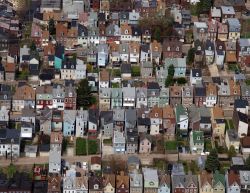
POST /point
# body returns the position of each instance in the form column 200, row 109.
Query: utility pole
column 11, row 143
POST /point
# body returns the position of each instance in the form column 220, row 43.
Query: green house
column 197, row 141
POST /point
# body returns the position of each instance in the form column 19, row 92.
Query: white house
column 81, row 122
column 211, row 95
column 219, row 57
column 80, row 71
column 141, row 97
column 102, row 55
column 104, row 79
column 156, row 121
column 134, row 52
column 128, row 96
column 4, row 114
column 27, row 130
column 58, row 97
column 10, row 142
column 124, row 52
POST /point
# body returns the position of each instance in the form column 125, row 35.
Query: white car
column 85, row 165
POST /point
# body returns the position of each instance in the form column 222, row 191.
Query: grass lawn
column 107, row 141
column 224, row 167
column 116, row 72
column 160, row 164
column 115, row 85
column 171, row 145
column 233, row 67
column 247, row 82
column 226, row 125
column 208, row 145
column 186, row 167
column 135, row 71
column 81, row 146
column 245, row 29
column 231, row 124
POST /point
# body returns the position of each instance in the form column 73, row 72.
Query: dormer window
column 199, row 48
column 156, row 114
column 96, row 186
column 126, row 31
column 177, row 49
column 220, row 47
column 198, row 138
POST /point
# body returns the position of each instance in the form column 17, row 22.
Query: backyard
column 208, row 145
column 171, row 145
column 82, row 144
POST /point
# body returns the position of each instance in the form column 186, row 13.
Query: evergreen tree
column 190, row 56
column 85, row 97
column 248, row 161
column 170, row 78
column 231, row 152
column 52, row 28
column 157, row 34
column 212, row 162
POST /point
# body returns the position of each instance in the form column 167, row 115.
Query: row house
column 55, row 152
column 44, row 97
column 73, row 69
column 211, row 182
column 228, row 92
column 24, row 96
column 187, row 183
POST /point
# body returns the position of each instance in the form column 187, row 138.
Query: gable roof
column 219, row 178
column 122, row 179
column 109, row 179
column 233, row 177
column 206, row 177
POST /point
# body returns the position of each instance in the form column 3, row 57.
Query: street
column 146, row 159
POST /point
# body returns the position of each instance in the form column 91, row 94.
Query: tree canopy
column 181, row 81
column 160, row 26
column 190, row 56
column 212, row 163
column 248, row 161
column 52, row 28
column 11, row 170
column 204, row 6
column 231, row 152
column 85, row 97
column 170, row 78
